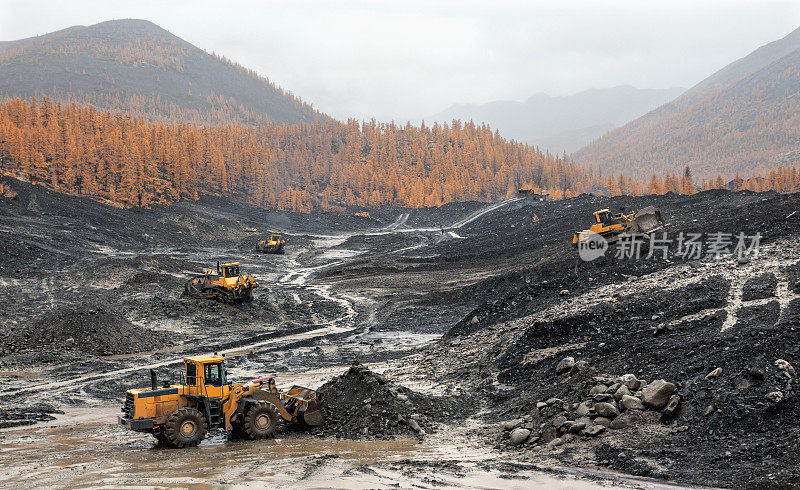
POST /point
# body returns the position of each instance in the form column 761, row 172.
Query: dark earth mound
column 362, row 403
column 15, row 417
column 92, row 328
column 760, row 287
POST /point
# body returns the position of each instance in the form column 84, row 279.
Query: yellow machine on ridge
column 610, row 226
column 274, row 245
column 180, row 415
column 226, row 283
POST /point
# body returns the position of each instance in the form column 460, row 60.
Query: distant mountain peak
column 137, row 67
column 562, row 123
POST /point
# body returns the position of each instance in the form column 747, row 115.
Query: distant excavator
column 274, row 245
column 610, row 226
column 226, row 284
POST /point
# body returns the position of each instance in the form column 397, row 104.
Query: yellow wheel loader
column 274, row 245
column 610, row 226
column 180, row 415
column 226, row 283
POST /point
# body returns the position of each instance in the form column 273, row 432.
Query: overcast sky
column 405, row 59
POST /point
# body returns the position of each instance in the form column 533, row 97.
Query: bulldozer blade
column 646, row 221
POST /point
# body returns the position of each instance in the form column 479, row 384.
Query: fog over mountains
column 743, row 118
column 564, row 123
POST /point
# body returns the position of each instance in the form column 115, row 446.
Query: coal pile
column 361, row 403
column 92, row 328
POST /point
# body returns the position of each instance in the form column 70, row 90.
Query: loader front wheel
column 186, row 427
column 261, row 420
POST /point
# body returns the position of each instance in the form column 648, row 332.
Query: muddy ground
column 465, row 310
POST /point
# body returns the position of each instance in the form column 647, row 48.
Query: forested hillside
column 745, row 119
column 138, row 68
column 323, row 164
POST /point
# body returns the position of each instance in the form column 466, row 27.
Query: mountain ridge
column 741, row 118
column 137, row 67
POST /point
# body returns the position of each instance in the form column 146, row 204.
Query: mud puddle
column 85, row 448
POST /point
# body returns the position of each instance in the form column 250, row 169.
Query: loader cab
column 275, row 238
column 231, row 269
column 603, row 216
column 207, row 376
column 606, row 218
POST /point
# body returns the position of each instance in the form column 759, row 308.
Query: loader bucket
column 313, row 414
column 646, row 221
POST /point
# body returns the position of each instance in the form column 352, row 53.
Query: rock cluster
column 612, row 402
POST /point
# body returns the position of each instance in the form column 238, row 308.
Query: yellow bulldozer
column 180, row 415
column 274, row 245
column 226, row 283
column 610, row 226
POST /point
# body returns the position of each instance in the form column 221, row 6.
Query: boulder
column 626, row 419
column 559, row 421
column 603, row 397
column 594, row 430
column 549, row 434
column 607, row 410
column 577, row 427
column 774, row 396
column 620, row 422
column 784, row 366
column 656, row 394
column 715, row 373
column 510, row 425
column 631, row 382
column 671, row 410
column 598, row 388
column 578, row 367
column 582, row 410
column 518, row 436
column 621, row 391
column 604, row 421
column 565, row 365
column 631, row 403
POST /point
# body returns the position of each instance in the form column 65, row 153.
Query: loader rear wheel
column 186, row 427
column 261, row 420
